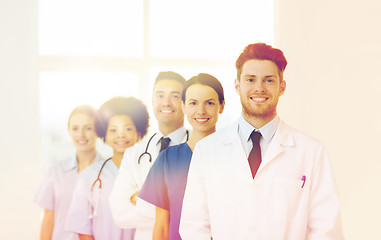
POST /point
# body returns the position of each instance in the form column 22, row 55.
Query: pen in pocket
column 304, row 180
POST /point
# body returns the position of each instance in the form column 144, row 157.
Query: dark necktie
column 164, row 142
column 255, row 157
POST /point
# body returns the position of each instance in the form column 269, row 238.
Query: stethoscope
column 146, row 151
column 95, row 212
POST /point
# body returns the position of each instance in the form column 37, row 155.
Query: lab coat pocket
column 288, row 199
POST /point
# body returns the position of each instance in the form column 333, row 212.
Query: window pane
column 90, row 28
column 61, row 92
column 208, row 29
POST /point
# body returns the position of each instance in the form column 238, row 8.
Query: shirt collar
column 176, row 136
column 72, row 164
column 267, row 131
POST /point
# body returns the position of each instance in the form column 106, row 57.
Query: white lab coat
column 131, row 178
column 223, row 201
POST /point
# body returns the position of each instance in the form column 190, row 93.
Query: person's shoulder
column 88, row 175
column 141, row 145
column 132, row 154
column 173, row 156
column 220, row 134
column 58, row 168
column 174, row 150
column 299, row 136
column 93, row 168
column 177, row 148
column 61, row 164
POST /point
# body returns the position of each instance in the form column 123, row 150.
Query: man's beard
column 260, row 114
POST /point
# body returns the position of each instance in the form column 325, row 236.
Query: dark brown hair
column 130, row 106
column 169, row 75
column 208, row 80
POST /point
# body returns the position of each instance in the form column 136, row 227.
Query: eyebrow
column 208, row 100
column 127, row 124
column 78, row 124
column 250, row 75
column 161, row 91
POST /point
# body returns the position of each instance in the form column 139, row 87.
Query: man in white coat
column 282, row 188
column 129, row 211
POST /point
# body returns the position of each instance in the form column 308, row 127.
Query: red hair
column 261, row 51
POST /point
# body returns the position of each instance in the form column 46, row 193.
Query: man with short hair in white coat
column 260, row 178
column 127, row 210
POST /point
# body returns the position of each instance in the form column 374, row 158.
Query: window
column 90, row 51
column 111, row 28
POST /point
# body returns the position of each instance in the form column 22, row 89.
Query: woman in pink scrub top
column 120, row 122
column 55, row 192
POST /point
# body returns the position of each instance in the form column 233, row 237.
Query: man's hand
column 133, row 197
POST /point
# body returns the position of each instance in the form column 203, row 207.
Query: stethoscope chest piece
column 145, row 158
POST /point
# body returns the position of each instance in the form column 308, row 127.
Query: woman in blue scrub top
column 54, row 194
column 120, row 122
column 164, row 187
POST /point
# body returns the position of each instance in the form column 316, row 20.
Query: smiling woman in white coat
column 260, row 178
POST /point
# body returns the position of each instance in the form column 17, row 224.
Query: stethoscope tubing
column 99, row 175
column 94, row 213
column 146, row 150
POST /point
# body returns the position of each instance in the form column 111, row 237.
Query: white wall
column 334, row 93
column 20, row 167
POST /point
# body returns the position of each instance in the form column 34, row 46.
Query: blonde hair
column 85, row 109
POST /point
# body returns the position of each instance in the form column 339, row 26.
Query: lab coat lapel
column 234, row 150
column 282, row 140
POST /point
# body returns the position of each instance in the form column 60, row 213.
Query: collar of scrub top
column 176, row 136
column 267, row 131
column 73, row 163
